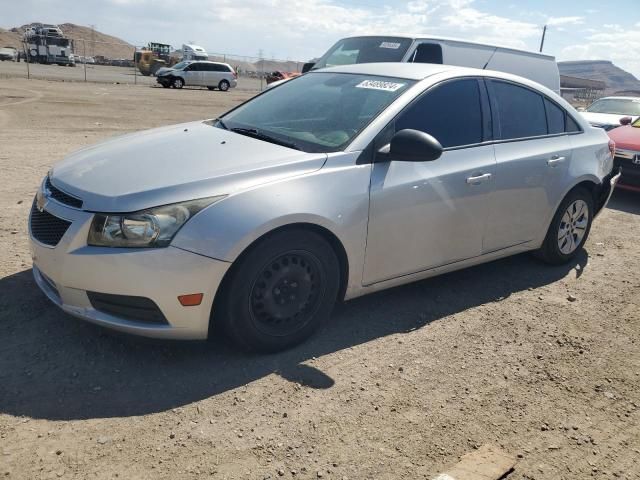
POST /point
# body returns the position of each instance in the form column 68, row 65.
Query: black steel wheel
column 279, row 292
column 286, row 293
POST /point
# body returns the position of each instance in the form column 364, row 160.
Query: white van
column 194, row 52
column 428, row 49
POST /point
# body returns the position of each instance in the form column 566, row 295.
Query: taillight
column 612, row 148
column 235, row 74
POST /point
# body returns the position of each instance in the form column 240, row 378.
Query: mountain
column 96, row 43
column 617, row 79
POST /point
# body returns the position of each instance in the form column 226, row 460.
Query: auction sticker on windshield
column 392, row 45
column 380, row 85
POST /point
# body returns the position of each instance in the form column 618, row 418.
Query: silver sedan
column 333, row 185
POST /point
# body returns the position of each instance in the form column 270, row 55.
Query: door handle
column 555, row 160
column 478, row 179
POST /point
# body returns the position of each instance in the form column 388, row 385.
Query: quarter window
column 522, row 113
column 450, row 112
column 555, row 117
column 427, row 53
column 572, row 125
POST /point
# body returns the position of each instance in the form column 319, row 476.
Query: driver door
column 428, row 214
column 192, row 74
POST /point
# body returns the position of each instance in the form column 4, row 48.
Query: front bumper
column 66, row 272
column 629, row 163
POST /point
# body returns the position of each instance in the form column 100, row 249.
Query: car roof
column 410, row 71
column 420, row 71
column 458, row 40
column 618, row 98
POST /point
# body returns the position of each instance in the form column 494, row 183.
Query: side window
column 217, row 68
column 450, row 112
column 572, row 125
column 555, row 117
column 428, row 53
column 521, row 111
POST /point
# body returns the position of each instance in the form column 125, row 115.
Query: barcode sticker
column 380, row 85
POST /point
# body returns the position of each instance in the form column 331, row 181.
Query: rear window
column 365, row 50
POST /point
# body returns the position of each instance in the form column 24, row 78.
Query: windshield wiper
column 254, row 133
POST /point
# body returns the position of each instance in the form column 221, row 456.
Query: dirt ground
column 400, row 384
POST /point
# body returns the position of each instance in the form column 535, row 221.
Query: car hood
column 163, row 70
column 626, row 137
column 173, row 164
column 604, row 118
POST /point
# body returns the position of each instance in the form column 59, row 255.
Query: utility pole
column 544, row 33
column 93, row 40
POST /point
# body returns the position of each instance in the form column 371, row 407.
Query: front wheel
column 224, row 85
column 280, row 292
column 177, row 83
column 569, row 228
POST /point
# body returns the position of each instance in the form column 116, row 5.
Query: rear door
column 533, row 152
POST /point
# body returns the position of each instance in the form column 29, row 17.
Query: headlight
column 155, row 227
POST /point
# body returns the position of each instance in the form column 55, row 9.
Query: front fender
column 335, row 198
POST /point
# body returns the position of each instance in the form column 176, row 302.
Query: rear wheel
column 224, row 85
column 569, row 228
column 280, row 292
column 177, row 83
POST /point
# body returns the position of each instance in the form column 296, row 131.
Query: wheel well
column 329, row 236
column 598, row 192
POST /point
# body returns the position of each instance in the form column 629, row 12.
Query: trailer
column 47, row 44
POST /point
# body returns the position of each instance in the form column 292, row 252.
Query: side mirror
column 307, row 66
column 412, row 146
column 625, row 121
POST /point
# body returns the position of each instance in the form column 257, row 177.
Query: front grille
column 139, row 309
column 47, row 228
column 61, row 196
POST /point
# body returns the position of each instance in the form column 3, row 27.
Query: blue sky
column 301, row 29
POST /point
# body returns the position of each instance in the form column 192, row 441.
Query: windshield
column 317, row 112
column 180, row 65
column 364, row 50
column 618, row 106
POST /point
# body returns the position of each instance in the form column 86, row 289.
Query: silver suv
column 201, row 74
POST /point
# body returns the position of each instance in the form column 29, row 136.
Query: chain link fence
column 119, row 63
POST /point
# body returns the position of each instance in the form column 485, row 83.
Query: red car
column 627, row 138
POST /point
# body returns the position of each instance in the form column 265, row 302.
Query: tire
column 177, row 82
column 279, row 292
column 224, row 85
column 210, row 88
column 569, row 228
